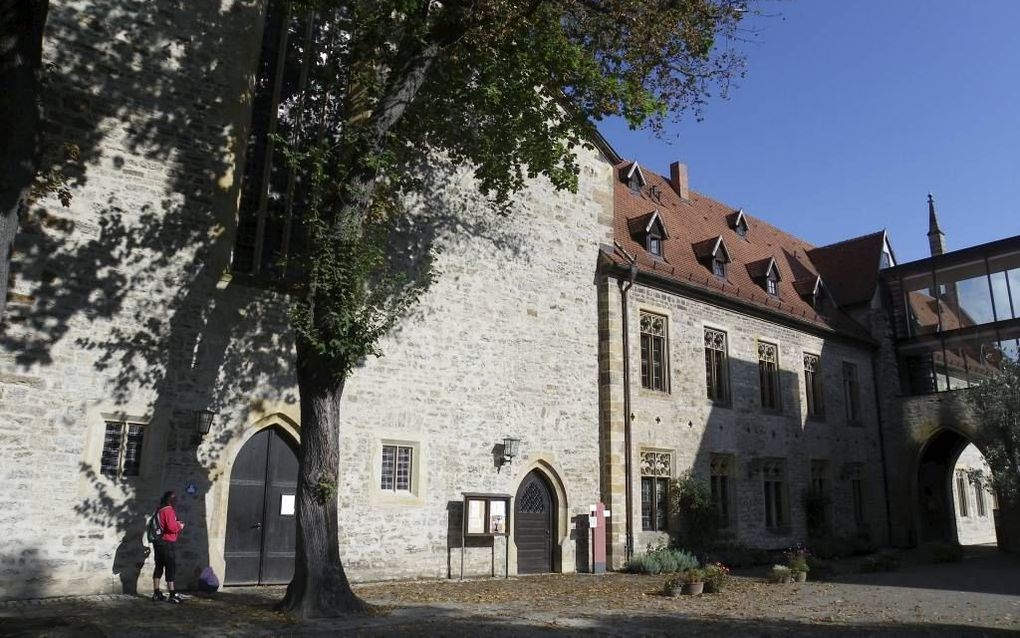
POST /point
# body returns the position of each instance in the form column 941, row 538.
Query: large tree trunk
column 320, row 587
column 21, row 31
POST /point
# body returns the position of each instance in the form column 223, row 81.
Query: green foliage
column 942, row 552
column 692, row 575
column 325, row 490
column 507, row 90
column 780, row 574
column 716, row 577
column 691, row 503
column 996, row 404
column 662, row 560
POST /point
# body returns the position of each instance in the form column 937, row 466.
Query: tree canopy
column 996, row 403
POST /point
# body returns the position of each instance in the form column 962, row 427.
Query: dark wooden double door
column 261, row 529
column 534, row 525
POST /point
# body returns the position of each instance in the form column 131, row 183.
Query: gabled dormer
column 812, row 289
column 650, row 231
column 633, row 177
column 738, row 223
column 714, row 255
column 766, row 273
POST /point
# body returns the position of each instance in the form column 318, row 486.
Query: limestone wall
column 685, row 423
column 121, row 310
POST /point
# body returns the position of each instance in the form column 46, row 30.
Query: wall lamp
column 203, row 421
column 511, row 448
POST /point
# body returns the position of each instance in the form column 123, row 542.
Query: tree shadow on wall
column 123, row 291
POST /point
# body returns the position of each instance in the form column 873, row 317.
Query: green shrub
column 780, row 573
column 943, row 552
column 662, row 560
column 716, row 577
column 691, row 502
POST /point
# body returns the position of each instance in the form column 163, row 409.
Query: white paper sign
column 286, row 505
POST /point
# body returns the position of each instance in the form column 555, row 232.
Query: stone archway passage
column 534, row 524
column 261, row 532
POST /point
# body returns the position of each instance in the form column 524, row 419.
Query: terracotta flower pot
column 801, row 577
column 694, row 589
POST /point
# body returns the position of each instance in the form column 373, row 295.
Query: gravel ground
column 978, row 597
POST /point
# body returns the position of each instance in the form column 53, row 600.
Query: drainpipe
column 624, row 289
column 881, row 447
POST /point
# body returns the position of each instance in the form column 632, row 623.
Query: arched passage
column 952, row 507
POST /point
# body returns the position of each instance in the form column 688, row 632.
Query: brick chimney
column 678, row 179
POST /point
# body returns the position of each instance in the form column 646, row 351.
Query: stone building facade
column 623, row 334
column 684, row 272
column 125, row 323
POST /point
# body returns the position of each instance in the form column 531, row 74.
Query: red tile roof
column 850, row 268
column 693, row 223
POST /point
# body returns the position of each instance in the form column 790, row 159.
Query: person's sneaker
column 158, row 596
column 175, row 599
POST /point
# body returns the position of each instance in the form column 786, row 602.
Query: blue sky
column 851, row 112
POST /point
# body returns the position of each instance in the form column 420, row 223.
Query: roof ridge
column 847, row 241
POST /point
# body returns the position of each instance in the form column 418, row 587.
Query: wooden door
column 534, row 522
column 261, row 533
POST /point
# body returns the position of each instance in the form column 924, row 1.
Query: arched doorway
column 534, row 524
column 261, row 534
column 952, row 507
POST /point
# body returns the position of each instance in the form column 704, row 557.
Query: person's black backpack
column 153, row 530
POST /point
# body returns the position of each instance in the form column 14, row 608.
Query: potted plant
column 674, row 585
column 781, row 574
column 693, row 580
column 797, row 562
column 716, row 575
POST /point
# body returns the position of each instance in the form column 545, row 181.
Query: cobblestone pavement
column 979, row 597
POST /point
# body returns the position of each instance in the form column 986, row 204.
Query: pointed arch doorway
column 261, row 534
column 535, row 510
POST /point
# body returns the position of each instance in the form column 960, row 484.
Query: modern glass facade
column 956, row 315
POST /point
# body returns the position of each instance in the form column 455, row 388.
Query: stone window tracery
column 813, row 387
column 653, row 352
column 716, row 365
column 768, row 375
column 656, row 472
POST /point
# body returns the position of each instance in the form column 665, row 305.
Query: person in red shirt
column 164, row 548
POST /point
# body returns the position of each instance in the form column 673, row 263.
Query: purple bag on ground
column 207, row 581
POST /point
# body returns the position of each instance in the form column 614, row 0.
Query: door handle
column 257, row 526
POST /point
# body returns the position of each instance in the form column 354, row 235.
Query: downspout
column 624, row 289
column 881, row 448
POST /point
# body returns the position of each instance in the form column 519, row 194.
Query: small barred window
column 122, row 449
column 395, row 475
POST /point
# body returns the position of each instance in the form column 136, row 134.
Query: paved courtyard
column 979, row 597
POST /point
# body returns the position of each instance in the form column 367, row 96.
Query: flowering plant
column 715, row 577
column 797, row 559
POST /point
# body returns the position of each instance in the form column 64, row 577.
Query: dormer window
column 713, row 254
column 649, row 231
column 719, row 268
column 654, row 244
column 766, row 273
column 818, row 302
column 633, row 177
column 738, row 223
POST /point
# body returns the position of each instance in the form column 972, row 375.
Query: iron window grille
column 122, row 449
column 396, row 468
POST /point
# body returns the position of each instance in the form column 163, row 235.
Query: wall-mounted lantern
column 203, row 421
column 511, row 448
